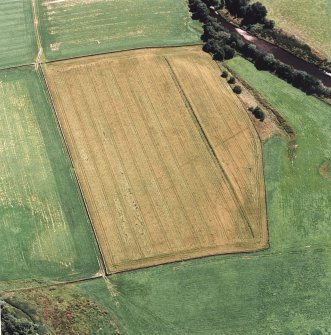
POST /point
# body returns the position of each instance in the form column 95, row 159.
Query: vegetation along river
column 280, row 54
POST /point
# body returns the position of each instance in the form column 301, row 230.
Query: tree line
column 223, row 45
column 11, row 324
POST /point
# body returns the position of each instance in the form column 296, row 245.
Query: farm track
column 148, row 250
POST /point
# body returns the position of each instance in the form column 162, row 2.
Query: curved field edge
column 303, row 197
column 45, row 231
column 72, row 29
column 107, row 91
column 283, row 290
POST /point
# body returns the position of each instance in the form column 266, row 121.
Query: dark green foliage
column 258, row 113
column 255, row 13
column 232, row 80
column 237, row 89
column 212, row 30
column 217, row 4
column 219, row 55
column 200, row 10
column 290, row 43
column 213, row 46
column 250, row 13
column 229, row 52
column 236, row 7
column 223, row 45
column 219, row 42
column 224, row 74
column 266, row 62
column 250, row 51
column 285, row 72
column 11, row 324
column 237, row 42
column 269, row 24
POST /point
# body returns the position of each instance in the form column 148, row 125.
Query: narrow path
column 36, row 30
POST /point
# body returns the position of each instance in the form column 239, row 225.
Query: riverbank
column 279, row 52
column 284, row 40
column 308, row 21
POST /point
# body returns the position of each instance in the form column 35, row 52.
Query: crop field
column 299, row 190
column 75, row 28
column 45, row 232
column 167, row 174
column 309, row 21
column 17, row 41
column 282, row 290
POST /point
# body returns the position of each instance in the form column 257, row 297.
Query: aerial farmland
column 79, row 28
column 150, row 160
column 153, row 180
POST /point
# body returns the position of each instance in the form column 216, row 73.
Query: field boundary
column 256, row 241
column 36, row 31
column 244, row 254
column 283, row 124
column 101, row 261
column 265, row 104
column 207, row 142
column 120, row 51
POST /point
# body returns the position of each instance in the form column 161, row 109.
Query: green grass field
column 310, row 21
column 45, row 231
column 283, row 290
column 298, row 196
column 72, row 28
column 17, row 41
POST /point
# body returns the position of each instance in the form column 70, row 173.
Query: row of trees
column 224, row 45
column 258, row 113
column 291, row 44
column 249, row 13
column 12, row 325
column 297, row 78
column 236, row 89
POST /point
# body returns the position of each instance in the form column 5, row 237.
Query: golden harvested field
column 168, row 160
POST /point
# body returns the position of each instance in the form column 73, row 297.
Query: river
column 279, row 53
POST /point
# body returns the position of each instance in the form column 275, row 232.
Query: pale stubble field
column 168, row 160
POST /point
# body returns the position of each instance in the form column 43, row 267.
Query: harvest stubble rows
column 159, row 187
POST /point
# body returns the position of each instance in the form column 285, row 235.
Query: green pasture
column 284, row 290
column 17, row 37
column 299, row 197
column 308, row 20
column 45, row 231
column 71, row 29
